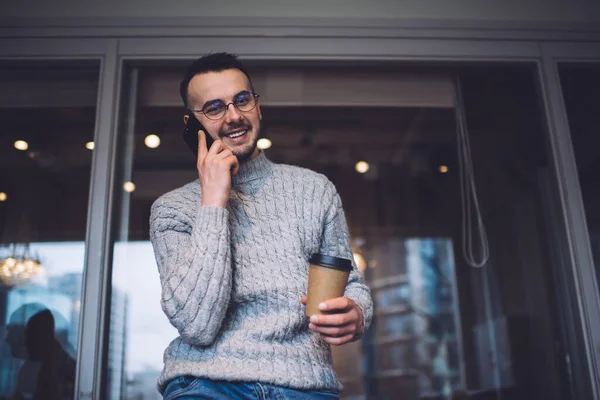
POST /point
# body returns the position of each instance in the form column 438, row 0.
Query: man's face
column 15, row 337
column 225, row 86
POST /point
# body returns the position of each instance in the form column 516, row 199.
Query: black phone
column 190, row 134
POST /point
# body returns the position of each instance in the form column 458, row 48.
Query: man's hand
column 215, row 168
column 341, row 321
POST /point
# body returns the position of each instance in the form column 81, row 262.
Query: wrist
column 214, row 202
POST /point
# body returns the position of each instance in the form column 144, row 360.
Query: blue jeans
column 190, row 388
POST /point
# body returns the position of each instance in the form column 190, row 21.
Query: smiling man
column 232, row 250
column 237, row 129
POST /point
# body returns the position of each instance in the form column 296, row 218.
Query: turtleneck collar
column 252, row 169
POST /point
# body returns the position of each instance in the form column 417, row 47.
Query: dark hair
column 213, row 62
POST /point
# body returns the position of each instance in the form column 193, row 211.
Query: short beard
column 244, row 154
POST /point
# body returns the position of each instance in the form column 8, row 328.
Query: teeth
column 237, row 134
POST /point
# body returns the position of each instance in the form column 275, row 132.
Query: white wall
column 477, row 10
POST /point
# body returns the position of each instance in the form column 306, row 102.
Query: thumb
column 303, row 300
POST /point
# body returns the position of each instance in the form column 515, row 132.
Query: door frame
column 95, row 289
column 584, row 280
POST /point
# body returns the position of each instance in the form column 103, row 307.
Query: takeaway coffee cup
column 327, row 279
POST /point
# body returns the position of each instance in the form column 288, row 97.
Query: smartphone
column 190, row 134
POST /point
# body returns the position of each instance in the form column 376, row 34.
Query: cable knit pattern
column 232, row 278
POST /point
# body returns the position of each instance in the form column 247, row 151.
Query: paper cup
column 327, row 279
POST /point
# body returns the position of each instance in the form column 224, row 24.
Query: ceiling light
column 21, row 145
column 152, row 141
column 129, row 187
column 263, row 143
column 89, row 145
column 3, row 196
column 362, row 167
column 443, row 169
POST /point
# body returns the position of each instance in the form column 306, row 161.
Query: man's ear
column 186, row 118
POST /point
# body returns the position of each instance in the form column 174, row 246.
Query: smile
column 237, row 134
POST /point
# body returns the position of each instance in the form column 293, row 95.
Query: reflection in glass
column 44, row 178
column 442, row 329
column 145, row 332
column 415, row 343
column 582, row 101
column 38, row 336
column 41, row 325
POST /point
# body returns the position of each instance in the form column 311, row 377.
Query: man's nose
column 232, row 114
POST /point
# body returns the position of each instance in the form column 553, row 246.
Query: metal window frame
column 582, row 278
column 117, row 41
column 95, row 283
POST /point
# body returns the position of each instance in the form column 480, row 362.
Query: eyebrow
column 219, row 100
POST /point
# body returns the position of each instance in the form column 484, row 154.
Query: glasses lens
column 245, row 101
column 214, row 110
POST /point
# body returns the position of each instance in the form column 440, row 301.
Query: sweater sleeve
column 336, row 242
column 194, row 263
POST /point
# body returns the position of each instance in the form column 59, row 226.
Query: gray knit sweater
column 232, row 278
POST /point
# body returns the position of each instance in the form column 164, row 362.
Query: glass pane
column 47, row 114
column 579, row 83
column 440, row 327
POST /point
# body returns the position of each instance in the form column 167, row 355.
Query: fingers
column 217, row 147
column 337, row 331
column 339, row 304
column 224, row 153
column 303, row 300
column 337, row 341
column 234, row 164
column 220, row 151
column 215, row 168
column 341, row 322
column 202, row 149
column 334, row 335
column 335, row 320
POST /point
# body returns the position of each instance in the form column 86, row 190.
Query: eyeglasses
column 244, row 102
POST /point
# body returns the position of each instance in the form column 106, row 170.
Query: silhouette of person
column 48, row 371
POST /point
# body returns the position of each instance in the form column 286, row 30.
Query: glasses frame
column 254, row 95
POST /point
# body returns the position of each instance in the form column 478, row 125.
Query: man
column 232, row 250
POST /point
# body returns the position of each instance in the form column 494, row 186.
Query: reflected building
column 430, row 263
column 117, row 346
column 413, row 349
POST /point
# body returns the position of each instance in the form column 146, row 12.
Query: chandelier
column 18, row 267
